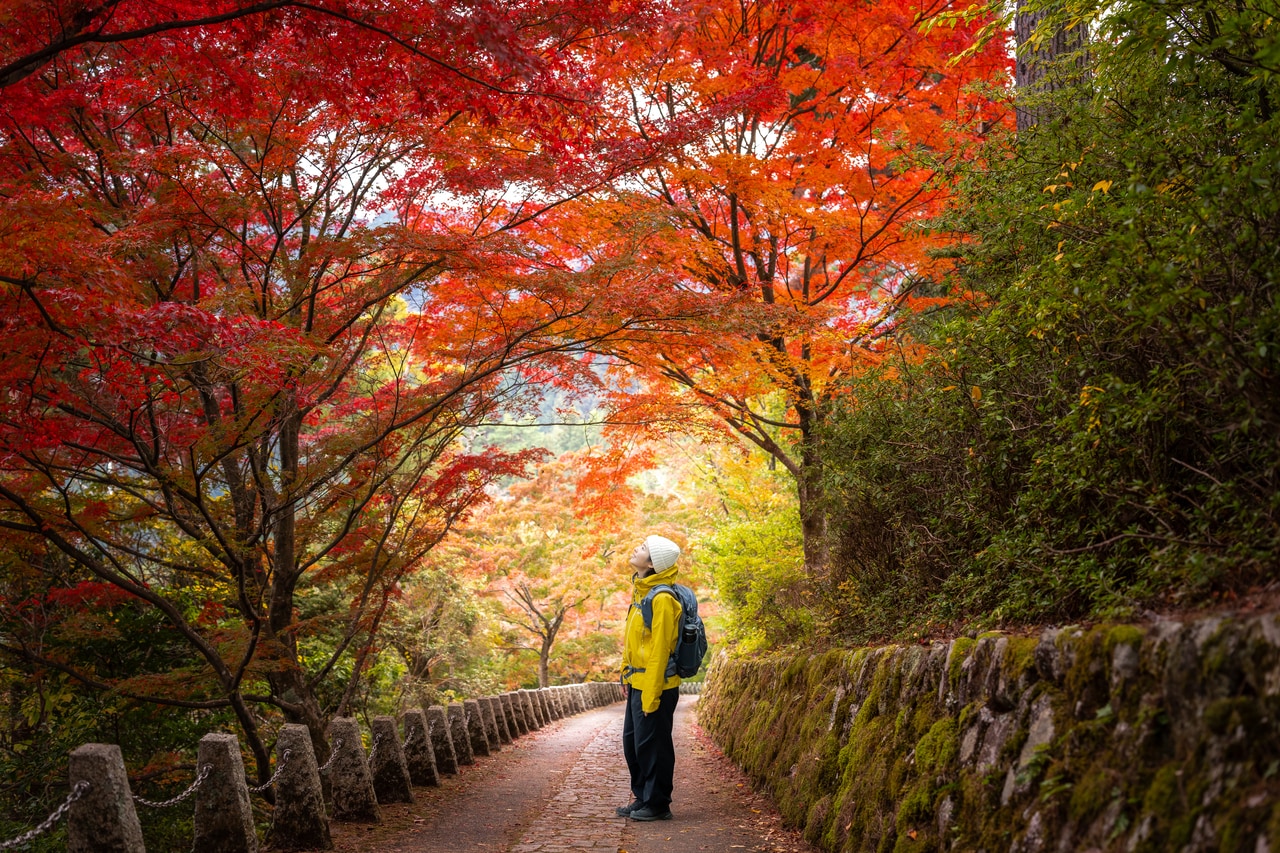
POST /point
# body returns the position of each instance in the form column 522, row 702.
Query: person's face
column 640, row 559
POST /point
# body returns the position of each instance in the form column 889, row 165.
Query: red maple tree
column 258, row 276
column 790, row 236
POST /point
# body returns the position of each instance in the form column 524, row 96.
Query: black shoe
column 625, row 811
column 648, row 813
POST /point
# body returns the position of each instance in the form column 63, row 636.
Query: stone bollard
column 535, row 697
column 546, row 706
column 475, row 728
column 298, row 821
column 539, row 709
column 499, row 718
column 441, row 740
column 419, row 755
column 555, row 699
column 535, row 700
column 580, row 697
column 224, row 819
column 490, row 723
column 515, row 714
column 103, row 819
column 390, row 774
column 526, row 707
column 458, row 731
column 349, row 779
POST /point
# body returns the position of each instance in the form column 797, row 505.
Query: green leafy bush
column 1095, row 424
column 758, row 564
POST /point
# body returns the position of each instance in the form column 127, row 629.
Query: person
column 651, row 693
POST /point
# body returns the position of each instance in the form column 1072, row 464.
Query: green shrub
column 758, row 564
column 1093, row 425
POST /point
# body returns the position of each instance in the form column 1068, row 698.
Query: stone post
column 103, row 820
column 458, row 731
column 515, row 713
column 545, row 704
column 535, row 697
column 580, row 696
column 491, row 733
column 441, row 740
column 495, row 710
column 390, row 774
column 224, row 819
column 475, row 728
column 418, row 753
column 531, row 710
column 525, row 704
column 555, row 701
column 350, row 782
column 298, row 822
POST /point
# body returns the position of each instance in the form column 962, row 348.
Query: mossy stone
column 864, row 748
column 1224, row 715
column 938, row 749
column 1119, row 635
column 1163, row 797
column 960, row 648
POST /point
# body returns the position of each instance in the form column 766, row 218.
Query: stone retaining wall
column 1119, row 738
column 102, row 818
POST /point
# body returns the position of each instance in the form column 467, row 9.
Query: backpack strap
column 646, row 603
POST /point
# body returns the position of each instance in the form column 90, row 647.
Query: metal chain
column 205, row 770
column 376, row 740
column 337, row 745
column 284, row 759
column 81, row 788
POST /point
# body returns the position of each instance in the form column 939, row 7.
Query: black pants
column 651, row 756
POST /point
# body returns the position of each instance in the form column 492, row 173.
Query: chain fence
column 81, row 788
column 333, row 754
column 284, row 759
column 205, row 770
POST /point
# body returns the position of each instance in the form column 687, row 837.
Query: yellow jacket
column 650, row 648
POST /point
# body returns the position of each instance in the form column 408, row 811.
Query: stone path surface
column 554, row 791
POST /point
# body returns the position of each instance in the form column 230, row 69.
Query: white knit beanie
column 662, row 551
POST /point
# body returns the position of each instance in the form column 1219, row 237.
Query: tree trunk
column 813, row 526
column 1055, row 64
column 290, row 684
column 813, row 519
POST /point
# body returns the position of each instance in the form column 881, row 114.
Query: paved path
column 554, row 791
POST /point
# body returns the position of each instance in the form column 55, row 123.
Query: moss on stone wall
column 1117, row 737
